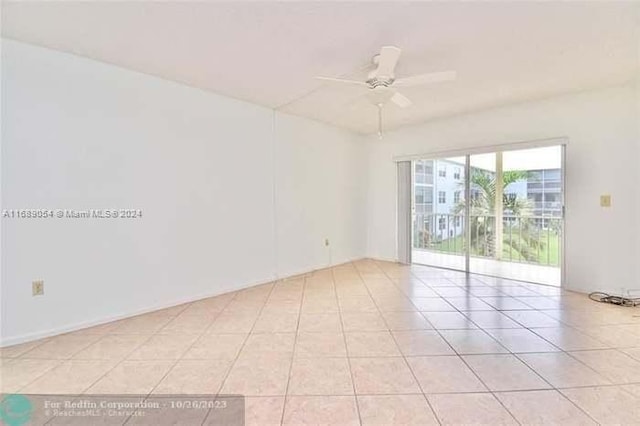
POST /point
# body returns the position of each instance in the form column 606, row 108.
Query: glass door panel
column 516, row 209
column 439, row 213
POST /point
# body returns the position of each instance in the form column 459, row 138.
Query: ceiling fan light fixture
column 382, row 81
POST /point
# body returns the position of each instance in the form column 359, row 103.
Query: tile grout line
column 561, row 350
column 529, row 367
column 395, row 282
column 293, row 353
column 158, row 332
column 533, row 331
column 204, row 332
column 463, row 360
column 70, row 358
column 119, row 362
column 460, row 356
column 558, row 390
column 344, row 339
column 248, row 334
column 424, row 396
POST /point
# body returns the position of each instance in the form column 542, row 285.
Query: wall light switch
column 37, row 288
column 605, row 201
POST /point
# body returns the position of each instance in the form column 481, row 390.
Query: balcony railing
column 526, row 239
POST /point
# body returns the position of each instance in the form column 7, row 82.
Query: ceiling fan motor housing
column 377, row 81
column 380, row 94
column 374, row 79
column 381, row 81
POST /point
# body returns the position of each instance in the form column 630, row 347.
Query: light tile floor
column 367, row 342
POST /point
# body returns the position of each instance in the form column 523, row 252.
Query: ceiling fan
column 381, row 82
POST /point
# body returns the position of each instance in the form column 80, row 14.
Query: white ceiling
column 269, row 52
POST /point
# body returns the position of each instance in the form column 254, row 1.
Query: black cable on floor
column 615, row 300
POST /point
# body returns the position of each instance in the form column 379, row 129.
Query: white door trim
column 461, row 152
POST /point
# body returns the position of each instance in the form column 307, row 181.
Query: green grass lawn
column 549, row 253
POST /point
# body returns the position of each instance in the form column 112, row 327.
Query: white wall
column 601, row 158
column 226, row 201
column 234, row 194
column 320, row 194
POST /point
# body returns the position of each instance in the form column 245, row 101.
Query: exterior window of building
column 457, row 221
column 552, row 174
column 456, row 173
column 442, row 172
column 423, row 172
column 456, row 197
column 423, row 199
column 442, row 224
column 428, row 168
column 442, row 197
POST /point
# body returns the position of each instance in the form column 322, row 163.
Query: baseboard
column 382, row 259
column 104, row 320
column 288, row 274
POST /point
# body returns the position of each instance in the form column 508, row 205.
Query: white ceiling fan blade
column 418, row 80
column 387, row 61
column 343, row 81
column 401, row 100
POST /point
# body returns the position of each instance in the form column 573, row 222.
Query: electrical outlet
column 37, row 288
column 326, row 242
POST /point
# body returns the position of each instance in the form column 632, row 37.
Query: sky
column 523, row 159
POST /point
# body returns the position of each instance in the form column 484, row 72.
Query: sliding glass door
column 498, row 213
column 439, row 225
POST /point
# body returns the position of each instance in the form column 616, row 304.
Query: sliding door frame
column 405, row 211
column 467, row 214
column 562, row 142
column 563, row 186
column 539, row 143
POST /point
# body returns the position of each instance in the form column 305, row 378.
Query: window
column 428, row 195
column 456, row 173
column 442, row 171
column 423, row 172
column 442, row 224
column 457, row 221
column 534, row 176
column 456, row 197
column 442, row 197
column 428, row 168
column 423, row 195
column 552, row 174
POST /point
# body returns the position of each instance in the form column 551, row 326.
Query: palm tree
column 482, row 219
